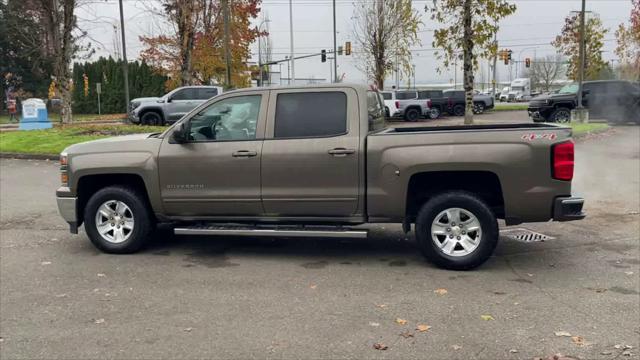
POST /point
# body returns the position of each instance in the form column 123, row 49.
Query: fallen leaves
column 45, row 263
column 486, row 317
column 401, row 321
column 187, row 329
column 628, row 272
column 379, row 346
column 101, row 275
column 423, row 328
column 313, row 287
column 579, row 341
column 456, row 347
column 513, row 351
column 441, row 291
column 374, row 324
column 406, row 334
column 382, row 306
column 562, row 333
column 98, row 321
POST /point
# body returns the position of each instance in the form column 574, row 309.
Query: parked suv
column 456, row 102
column 172, row 106
column 614, row 100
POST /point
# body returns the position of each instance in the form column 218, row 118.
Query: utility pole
column 227, row 50
column 293, row 66
column 335, row 51
column 125, row 64
column 581, row 114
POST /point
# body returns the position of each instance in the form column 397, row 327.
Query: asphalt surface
column 323, row 298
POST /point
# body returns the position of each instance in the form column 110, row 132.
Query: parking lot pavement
column 324, row 298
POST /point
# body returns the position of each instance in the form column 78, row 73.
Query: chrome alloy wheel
column 456, row 232
column 114, row 221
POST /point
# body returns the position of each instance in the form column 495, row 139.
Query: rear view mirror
column 179, row 134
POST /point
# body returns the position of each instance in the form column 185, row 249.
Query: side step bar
column 275, row 232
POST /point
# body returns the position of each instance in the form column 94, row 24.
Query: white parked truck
column 520, row 90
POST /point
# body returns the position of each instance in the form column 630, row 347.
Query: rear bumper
column 568, row 209
column 67, row 206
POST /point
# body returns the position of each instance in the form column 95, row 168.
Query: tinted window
column 206, row 93
column 406, row 95
column 454, row 93
column 375, row 111
column 387, row 96
column 429, row 94
column 183, row 94
column 310, row 114
column 229, row 119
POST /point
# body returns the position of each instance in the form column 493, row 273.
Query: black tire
column 478, row 108
column 144, row 223
column 458, row 110
column 561, row 115
column 387, row 113
column 412, row 115
column 151, row 118
column 434, row 113
column 488, row 238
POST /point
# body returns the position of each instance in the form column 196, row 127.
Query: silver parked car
column 172, row 106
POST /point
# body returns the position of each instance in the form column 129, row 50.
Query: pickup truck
column 170, row 107
column 456, row 102
column 614, row 100
column 406, row 105
column 316, row 161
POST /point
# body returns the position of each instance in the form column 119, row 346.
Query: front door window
column 230, row 119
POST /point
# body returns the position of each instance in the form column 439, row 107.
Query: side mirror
column 179, row 134
column 586, row 92
column 160, row 101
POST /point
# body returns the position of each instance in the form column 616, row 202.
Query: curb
column 22, row 156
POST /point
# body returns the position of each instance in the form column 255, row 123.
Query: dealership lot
column 325, row 298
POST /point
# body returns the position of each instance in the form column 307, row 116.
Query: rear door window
column 387, row 96
column 310, row 114
column 406, row 95
column 206, row 93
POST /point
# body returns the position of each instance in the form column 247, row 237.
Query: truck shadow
column 384, row 246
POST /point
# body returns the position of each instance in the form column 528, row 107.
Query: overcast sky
column 527, row 32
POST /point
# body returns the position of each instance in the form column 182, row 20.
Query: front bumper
column 539, row 113
column 67, row 206
column 568, row 208
column 133, row 117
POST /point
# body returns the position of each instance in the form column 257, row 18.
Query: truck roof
column 357, row 87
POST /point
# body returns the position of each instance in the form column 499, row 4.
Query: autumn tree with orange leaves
column 194, row 54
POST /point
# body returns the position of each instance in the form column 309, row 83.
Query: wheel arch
column 425, row 185
column 155, row 109
column 88, row 185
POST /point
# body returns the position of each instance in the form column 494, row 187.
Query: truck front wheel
column 118, row 220
column 456, row 231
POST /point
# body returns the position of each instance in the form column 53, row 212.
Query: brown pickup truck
column 318, row 162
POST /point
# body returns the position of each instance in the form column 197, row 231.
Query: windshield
column 569, row 89
column 517, row 88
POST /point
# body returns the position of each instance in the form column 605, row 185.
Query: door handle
column 341, row 152
column 244, row 153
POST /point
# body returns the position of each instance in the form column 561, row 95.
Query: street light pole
column 293, row 66
column 227, row 50
column 335, row 52
column 125, row 64
column 582, row 55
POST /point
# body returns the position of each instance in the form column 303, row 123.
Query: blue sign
column 34, row 115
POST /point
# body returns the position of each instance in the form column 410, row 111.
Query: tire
column 434, row 113
column 137, row 210
column 387, row 113
column 412, row 115
column 561, row 115
column 458, row 110
column 151, row 118
column 478, row 108
column 437, row 248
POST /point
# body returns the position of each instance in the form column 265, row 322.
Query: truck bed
column 523, row 126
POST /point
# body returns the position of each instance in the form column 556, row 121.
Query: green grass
column 55, row 118
column 510, row 107
column 580, row 129
column 53, row 141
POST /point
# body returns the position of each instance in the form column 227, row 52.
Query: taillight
column 429, row 103
column 397, row 104
column 563, row 161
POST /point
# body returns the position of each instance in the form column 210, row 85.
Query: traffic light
column 340, row 49
column 509, row 53
column 347, row 48
column 527, row 62
column 323, row 55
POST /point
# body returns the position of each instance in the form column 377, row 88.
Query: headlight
column 64, row 169
column 134, row 105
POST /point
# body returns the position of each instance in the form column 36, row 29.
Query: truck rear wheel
column 458, row 110
column 561, row 115
column 456, row 231
column 118, row 220
column 412, row 115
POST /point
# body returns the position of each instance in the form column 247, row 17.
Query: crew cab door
column 180, row 103
column 216, row 172
column 310, row 156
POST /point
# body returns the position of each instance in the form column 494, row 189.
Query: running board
column 274, row 231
